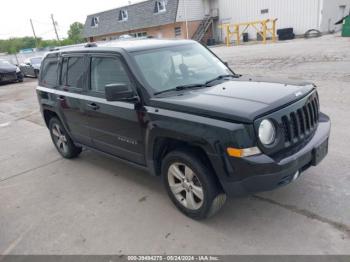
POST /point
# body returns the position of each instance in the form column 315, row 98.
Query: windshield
column 166, row 69
column 36, row 60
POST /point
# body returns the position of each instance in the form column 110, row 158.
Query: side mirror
column 118, row 92
column 226, row 64
column 28, row 64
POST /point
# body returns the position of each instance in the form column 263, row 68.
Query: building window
column 264, row 11
column 139, row 34
column 142, row 34
column 123, row 15
column 160, row 6
column 177, row 31
column 94, row 21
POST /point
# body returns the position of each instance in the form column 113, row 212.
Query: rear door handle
column 93, row 106
column 61, row 98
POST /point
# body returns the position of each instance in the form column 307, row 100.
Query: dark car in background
column 31, row 67
column 9, row 72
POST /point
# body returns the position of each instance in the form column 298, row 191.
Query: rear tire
column 191, row 185
column 62, row 140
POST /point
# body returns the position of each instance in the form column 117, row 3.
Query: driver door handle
column 61, row 98
column 93, row 106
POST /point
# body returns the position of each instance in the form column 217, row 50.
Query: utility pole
column 54, row 26
column 36, row 39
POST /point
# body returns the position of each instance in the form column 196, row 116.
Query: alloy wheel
column 60, row 139
column 185, row 186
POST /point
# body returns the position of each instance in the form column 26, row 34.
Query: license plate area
column 319, row 153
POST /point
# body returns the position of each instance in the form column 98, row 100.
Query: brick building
column 200, row 19
column 155, row 18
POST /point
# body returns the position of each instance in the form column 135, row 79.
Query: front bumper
column 11, row 77
column 263, row 173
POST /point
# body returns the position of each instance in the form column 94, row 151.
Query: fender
column 211, row 135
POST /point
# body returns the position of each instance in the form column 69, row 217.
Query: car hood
column 239, row 100
column 36, row 66
column 7, row 68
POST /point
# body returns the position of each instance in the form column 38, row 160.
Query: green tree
column 75, row 32
column 13, row 45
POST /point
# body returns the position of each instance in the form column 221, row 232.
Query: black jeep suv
column 176, row 110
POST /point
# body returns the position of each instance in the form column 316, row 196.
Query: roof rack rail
column 91, row 44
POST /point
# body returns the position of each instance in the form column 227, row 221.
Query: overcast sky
column 15, row 15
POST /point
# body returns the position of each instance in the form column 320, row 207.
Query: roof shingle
column 140, row 15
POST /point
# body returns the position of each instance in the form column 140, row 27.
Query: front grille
column 301, row 123
column 295, row 124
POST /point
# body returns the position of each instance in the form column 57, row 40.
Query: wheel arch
column 164, row 145
column 48, row 114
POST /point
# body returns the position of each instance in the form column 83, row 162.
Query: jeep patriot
column 174, row 108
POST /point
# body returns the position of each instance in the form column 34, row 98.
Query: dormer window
column 123, row 15
column 160, row 6
column 94, row 21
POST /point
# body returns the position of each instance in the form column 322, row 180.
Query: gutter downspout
column 186, row 21
column 320, row 15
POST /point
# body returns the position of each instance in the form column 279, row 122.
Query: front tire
column 62, row 140
column 191, row 185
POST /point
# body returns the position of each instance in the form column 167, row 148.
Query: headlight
column 18, row 70
column 267, row 132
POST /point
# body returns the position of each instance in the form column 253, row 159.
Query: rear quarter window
column 49, row 72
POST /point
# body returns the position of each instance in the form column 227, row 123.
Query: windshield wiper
column 219, row 78
column 183, row 87
column 179, row 88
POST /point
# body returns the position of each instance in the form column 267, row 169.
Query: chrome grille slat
column 286, row 127
column 311, row 114
column 301, row 121
column 314, row 106
column 306, row 119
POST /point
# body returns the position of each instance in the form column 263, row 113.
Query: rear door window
column 75, row 72
column 49, row 72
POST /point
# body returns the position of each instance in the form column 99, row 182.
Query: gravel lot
column 95, row 205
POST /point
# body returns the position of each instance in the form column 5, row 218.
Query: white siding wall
column 299, row 14
column 333, row 12
column 195, row 10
